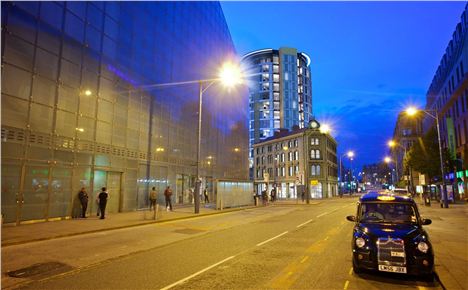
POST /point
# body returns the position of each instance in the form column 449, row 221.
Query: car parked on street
column 388, row 236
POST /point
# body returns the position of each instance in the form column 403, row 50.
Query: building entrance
column 112, row 181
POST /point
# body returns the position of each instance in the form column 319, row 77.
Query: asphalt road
column 276, row 247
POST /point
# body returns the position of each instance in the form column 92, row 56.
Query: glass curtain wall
column 79, row 102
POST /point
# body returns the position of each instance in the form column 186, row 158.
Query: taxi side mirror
column 426, row 222
column 351, row 218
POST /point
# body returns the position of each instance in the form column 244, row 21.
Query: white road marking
column 322, row 214
column 198, row 273
column 303, row 224
column 269, row 240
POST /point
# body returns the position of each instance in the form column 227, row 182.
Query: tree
column 424, row 156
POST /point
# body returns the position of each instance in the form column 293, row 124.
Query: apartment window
column 466, row 99
column 290, row 156
column 296, row 169
column 462, row 99
column 282, row 157
column 283, row 171
column 314, row 141
column 295, row 143
column 314, row 154
column 291, row 173
column 296, row 155
column 465, row 130
column 315, row 170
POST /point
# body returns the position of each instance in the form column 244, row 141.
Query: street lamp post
column 230, row 76
column 350, row 154
column 392, row 144
column 413, row 111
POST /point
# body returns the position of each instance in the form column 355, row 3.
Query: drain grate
column 40, row 270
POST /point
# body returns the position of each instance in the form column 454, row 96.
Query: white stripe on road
column 198, row 273
column 269, row 240
column 303, row 224
column 322, row 214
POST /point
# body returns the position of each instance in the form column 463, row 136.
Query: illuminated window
column 314, row 154
column 315, row 170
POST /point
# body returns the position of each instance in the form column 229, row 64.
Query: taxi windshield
column 387, row 212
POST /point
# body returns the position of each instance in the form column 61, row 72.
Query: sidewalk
column 449, row 237
column 14, row 235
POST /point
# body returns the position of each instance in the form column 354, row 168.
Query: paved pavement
column 15, row 235
column 449, row 237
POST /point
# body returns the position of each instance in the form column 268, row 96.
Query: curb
column 143, row 223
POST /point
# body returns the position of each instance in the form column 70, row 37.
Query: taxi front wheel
column 356, row 269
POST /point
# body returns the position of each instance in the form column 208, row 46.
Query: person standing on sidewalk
column 83, row 196
column 153, row 197
column 168, row 195
column 103, row 197
column 205, row 194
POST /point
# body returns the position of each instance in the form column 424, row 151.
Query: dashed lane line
column 350, row 271
column 303, row 224
column 322, row 214
column 346, row 284
column 196, row 274
column 269, row 240
column 304, row 259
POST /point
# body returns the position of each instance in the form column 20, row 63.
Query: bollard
column 156, row 210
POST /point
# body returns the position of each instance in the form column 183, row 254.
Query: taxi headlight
column 423, row 247
column 360, row 242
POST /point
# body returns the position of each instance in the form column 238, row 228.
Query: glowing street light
column 411, row 111
column 325, row 128
column 387, row 159
column 230, row 74
column 88, row 93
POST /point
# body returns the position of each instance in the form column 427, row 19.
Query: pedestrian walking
column 83, row 196
column 103, row 197
column 205, row 194
column 167, row 195
column 153, row 197
column 303, row 195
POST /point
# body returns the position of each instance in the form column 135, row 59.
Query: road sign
column 314, row 182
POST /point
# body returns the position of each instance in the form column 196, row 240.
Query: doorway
column 112, row 180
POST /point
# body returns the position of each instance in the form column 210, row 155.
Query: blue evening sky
column 369, row 59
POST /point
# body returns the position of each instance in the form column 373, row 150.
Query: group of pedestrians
column 272, row 197
column 153, row 198
column 101, row 200
column 103, row 196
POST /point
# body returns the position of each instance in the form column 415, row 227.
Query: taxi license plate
column 394, row 269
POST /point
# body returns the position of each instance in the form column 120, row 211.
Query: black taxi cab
column 388, row 236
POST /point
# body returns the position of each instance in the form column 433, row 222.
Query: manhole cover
column 189, row 231
column 40, row 270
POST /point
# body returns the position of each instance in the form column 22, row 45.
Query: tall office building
column 280, row 92
column 80, row 107
column 447, row 97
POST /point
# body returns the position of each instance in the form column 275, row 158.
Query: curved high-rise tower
column 280, row 91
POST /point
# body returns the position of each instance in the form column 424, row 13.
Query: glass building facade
column 280, row 92
column 81, row 106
